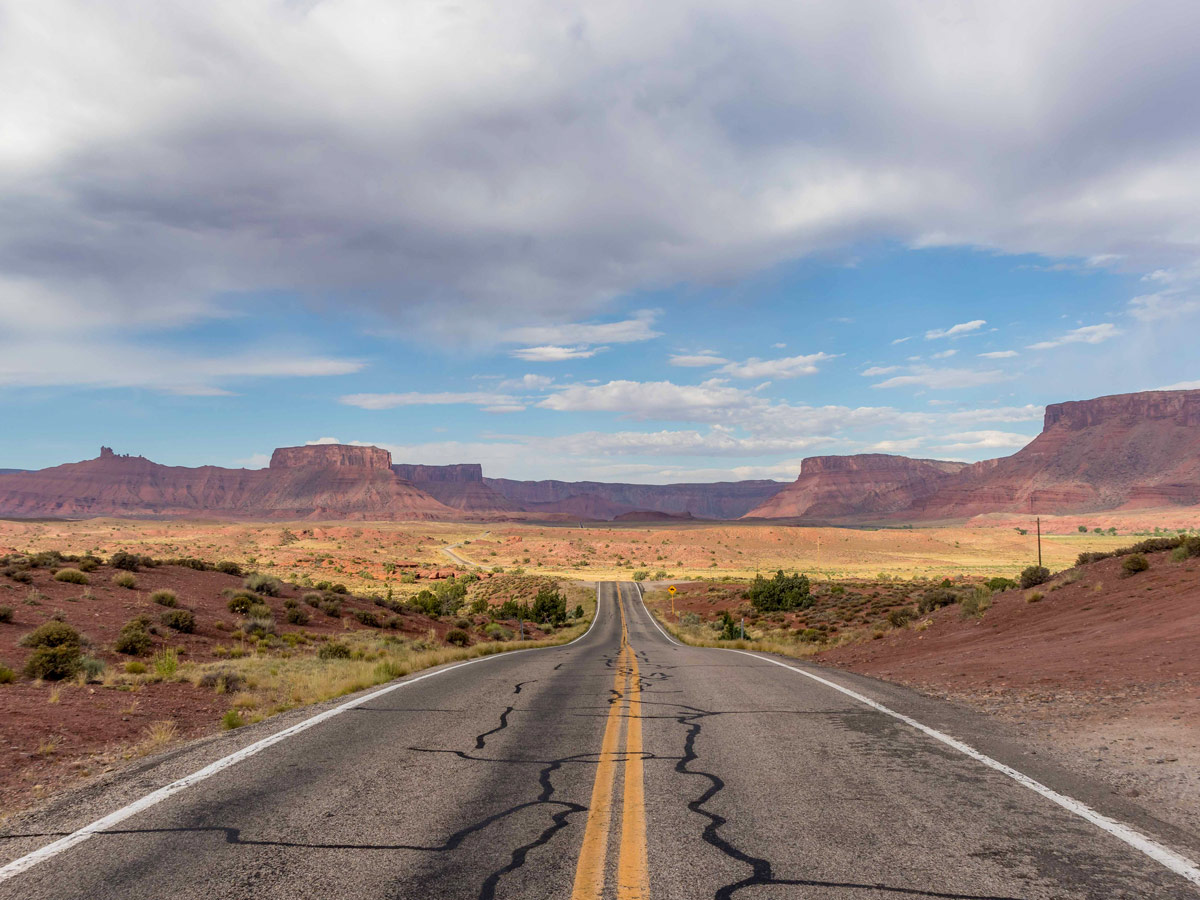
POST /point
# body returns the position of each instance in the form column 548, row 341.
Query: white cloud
column 999, row 354
column 963, row 328
column 1088, row 334
column 788, row 367
column 943, row 379
column 778, row 345
column 554, row 354
column 526, row 382
column 1164, row 305
column 489, row 402
column 638, row 328
column 663, row 155
column 1181, row 386
column 649, row 400
column 945, row 354
column 967, row 441
column 901, row 340
column 697, row 360
column 875, row 371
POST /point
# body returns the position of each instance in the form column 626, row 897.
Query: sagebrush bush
column 263, row 584
column 258, row 611
column 182, row 620
column 229, row 568
column 936, row 598
column 334, row 650
column 125, row 580
column 497, row 632
column 134, row 639
column 165, row 598
column 367, row 617
column 241, row 602
column 898, row 618
column 977, row 602
column 1034, row 597
column 133, row 667
column 313, row 599
column 260, row 626
column 1134, row 563
column 296, row 615
column 7, row 675
column 6, row 613
column 1033, row 576
column 57, row 651
column 331, row 608
column 71, row 576
column 457, row 637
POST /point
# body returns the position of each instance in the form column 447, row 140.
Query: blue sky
column 589, row 241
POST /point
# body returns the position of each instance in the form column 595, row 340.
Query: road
column 622, row 765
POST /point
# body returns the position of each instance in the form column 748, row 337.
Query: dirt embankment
column 1105, row 668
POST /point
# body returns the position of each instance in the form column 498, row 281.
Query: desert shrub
column 999, row 584
column 133, row 667
column 263, row 584
column 6, row 613
column 180, row 620
column 7, row 675
column 57, row 651
column 290, row 603
column 1135, row 563
column 190, row 562
column 134, row 639
column 165, row 598
column 231, row 720
column 92, row 669
column 1191, row 545
column 21, row 576
column 313, row 599
column 166, row 663
column 641, row 575
column 457, row 637
column 1033, row 576
column 811, row 635
column 497, row 632
column 338, row 589
column 127, row 561
column 782, row 592
column 660, row 574
column 936, row 598
column 258, row 611
column 296, row 615
column 229, row 568
column 977, row 602
column 71, row 576
column 898, row 618
column 331, row 608
column 241, row 602
column 125, row 580
column 549, row 607
column 260, row 626
column 1034, row 597
column 731, row 630
column 87, row 564
column 334, row 650
column 367, row 617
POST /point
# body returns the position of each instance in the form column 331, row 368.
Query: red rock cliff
column 329, row 456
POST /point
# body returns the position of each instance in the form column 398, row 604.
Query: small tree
column 781, row 593
column 1033, row 576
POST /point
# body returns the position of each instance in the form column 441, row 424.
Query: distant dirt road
column 621, row 765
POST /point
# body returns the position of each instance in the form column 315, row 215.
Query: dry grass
column 158, row 736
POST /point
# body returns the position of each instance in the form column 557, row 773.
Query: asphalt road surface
column 619, row 766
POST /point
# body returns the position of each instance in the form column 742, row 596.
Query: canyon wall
column 603, row 500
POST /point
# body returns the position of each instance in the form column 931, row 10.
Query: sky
column 617, row 241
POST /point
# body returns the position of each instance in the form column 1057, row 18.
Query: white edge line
column 1176, row 862
column 31, row 859
column 642, row 597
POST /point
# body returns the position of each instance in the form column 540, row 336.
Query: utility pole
column 743, row 628
column 1039, row 533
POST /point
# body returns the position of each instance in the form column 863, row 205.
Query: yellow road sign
column 671, row 589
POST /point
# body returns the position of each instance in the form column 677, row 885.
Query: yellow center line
column 633, row 881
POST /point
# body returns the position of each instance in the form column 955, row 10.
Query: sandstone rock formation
column 323, row 481
column 459, row 486
column 869, row 484
column 601, row 500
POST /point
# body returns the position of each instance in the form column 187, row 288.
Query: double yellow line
column 633, row 880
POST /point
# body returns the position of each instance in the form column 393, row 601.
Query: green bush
column 1033, row 576
column 296, row 615
column 367, row 617
column 191, row 562
column 180, row 620
column 781, row 593
column 134, row 639
column 660, row 575
column 260, row 626
column 313, row 599
column 241, row 602
column 165, row 598
column 263, row 584
column 7, row 675
column 258, row 611
column 21, row 576
column 641, row 575
column 71, row 576
column 549, row 607
column 334, row 650
column 977, row 602
column 125, row 580
column 339, row 589
column 229, row 568
column 57, row 651
column 497, row 632
column 6, row 613
column 898, row 618
column 87, row 564
column 133, row 667
column 231, row 720
column 129, row 561
column 936, row 598
column 331, row 608
column 457, row 637
column 92, row 669
column 1135, row 563
column 999, row 584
